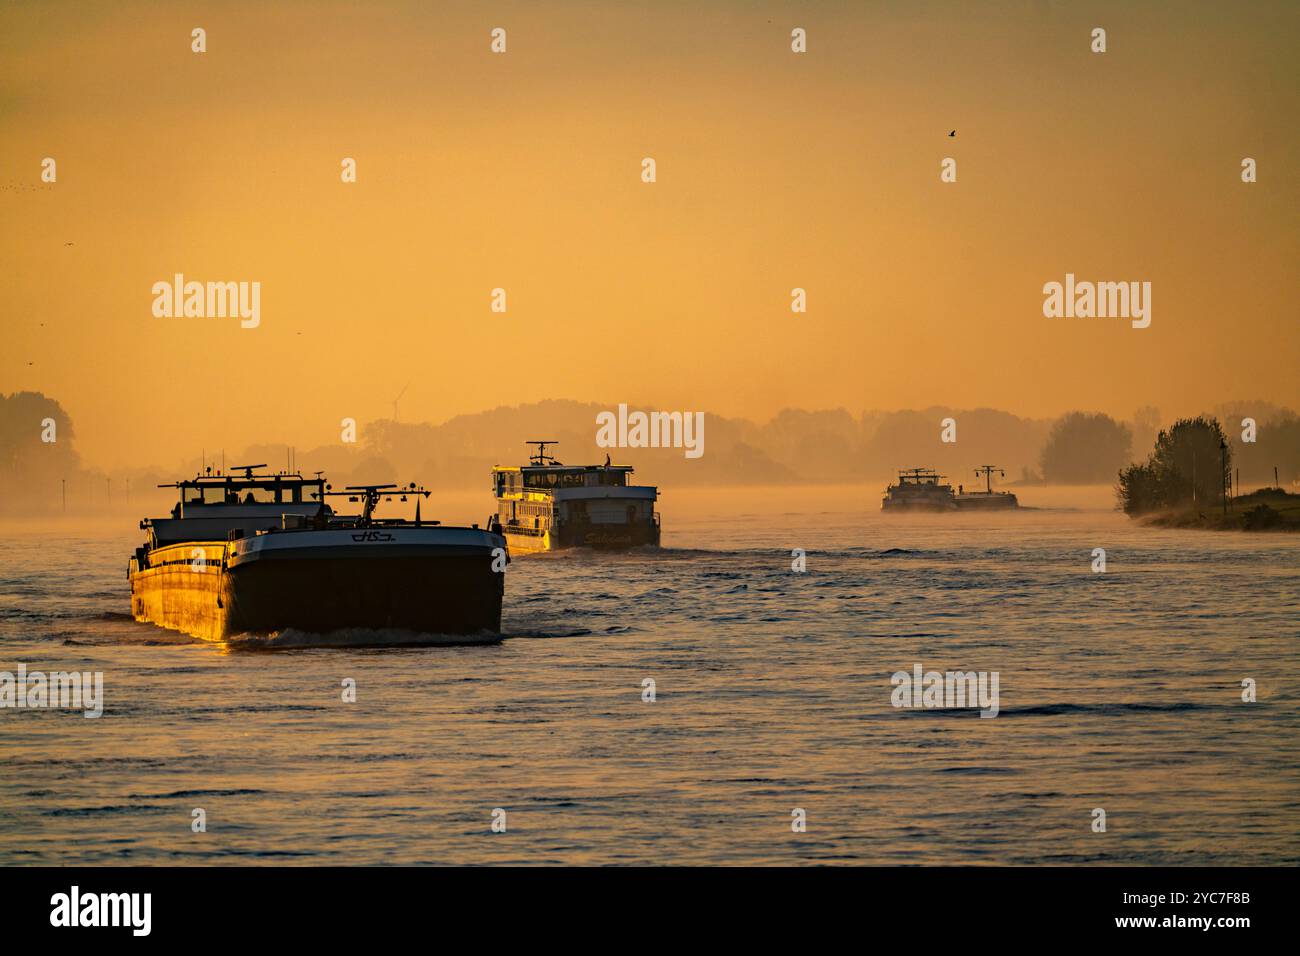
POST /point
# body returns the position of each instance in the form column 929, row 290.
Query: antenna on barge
column 541, row 458
column 987, row 472
column 246, row 469
column 370, row 495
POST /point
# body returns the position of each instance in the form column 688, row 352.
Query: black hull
column 1001, row 501
column 609, row 537
column 456, row 594
column 919, row 506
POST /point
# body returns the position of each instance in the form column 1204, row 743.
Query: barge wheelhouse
column 919, row 489
column 546, row 505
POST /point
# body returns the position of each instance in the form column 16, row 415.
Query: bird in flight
column 953, row 133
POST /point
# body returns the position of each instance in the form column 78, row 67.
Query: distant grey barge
column 923, row 489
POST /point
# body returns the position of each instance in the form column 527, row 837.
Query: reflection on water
column 1119, row 690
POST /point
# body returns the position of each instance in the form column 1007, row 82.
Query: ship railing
column 524, row 529
column 352, row 523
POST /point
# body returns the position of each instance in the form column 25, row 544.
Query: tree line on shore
column 795, row 446
column 1191, row 465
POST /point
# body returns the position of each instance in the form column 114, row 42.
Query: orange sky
column 521, row 170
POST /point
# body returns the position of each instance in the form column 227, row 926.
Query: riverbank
column 1268, row 509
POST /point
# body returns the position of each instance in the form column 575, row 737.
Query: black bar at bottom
column 651, row 907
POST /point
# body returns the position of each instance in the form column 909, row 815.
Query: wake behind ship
column 546, row 505
column 264, row 553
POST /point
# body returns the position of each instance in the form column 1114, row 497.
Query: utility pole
column 1276, row 484
column 1223, row 472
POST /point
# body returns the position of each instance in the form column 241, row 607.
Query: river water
column 1119, row 691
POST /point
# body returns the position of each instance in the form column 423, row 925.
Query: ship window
column 254, row 496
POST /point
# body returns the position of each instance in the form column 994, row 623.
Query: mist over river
column 1119, row 690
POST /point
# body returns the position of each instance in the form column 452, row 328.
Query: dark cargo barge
column 264, row 553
